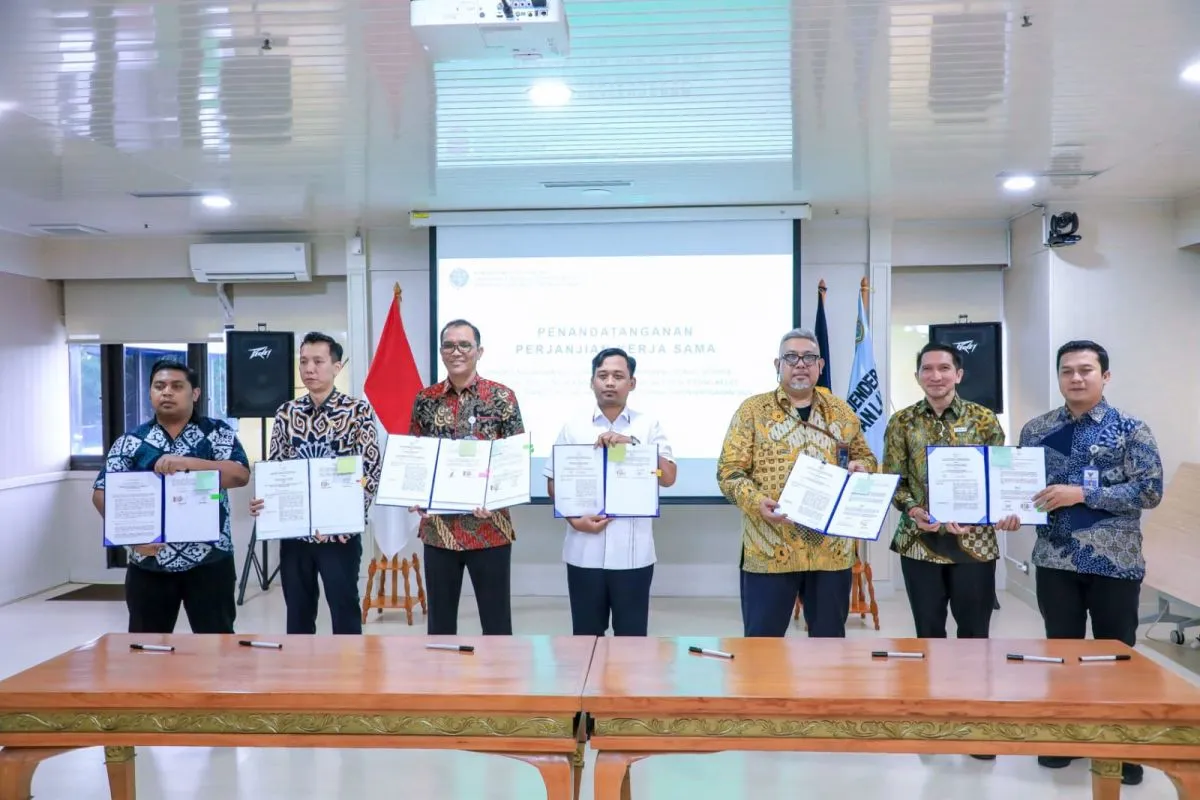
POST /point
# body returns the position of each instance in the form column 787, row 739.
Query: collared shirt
column 908, row 433
column 1103, row 536
column 626, row 542
column 764, row 439
column 483, row 409
column 339, row 426
column 138, row 450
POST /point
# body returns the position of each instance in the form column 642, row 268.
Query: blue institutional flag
column 821, row 329
column 864, row 395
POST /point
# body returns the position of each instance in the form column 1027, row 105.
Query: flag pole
column 397, row 291
column 864, row 288
column 821, row 286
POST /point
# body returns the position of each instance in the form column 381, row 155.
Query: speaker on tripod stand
column 260, row 376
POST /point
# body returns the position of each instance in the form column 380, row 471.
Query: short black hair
column 174, row 365
column 316, row 337
column 938, row 347
column 609, row 352
column 1080, row 346
column 459, row 323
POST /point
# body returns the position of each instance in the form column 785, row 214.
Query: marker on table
column 894, row 654
column 1120, row 657
column 704, row 651
column 268, row 645
column 156, row 648
column 455, row 648
column 1045, row 659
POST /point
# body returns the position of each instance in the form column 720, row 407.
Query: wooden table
column 651, row 696
column 514, row 696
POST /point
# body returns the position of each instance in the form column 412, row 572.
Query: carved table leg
column 577, row 761
column 1184, row 774
column 119, row 763
column 1106, row 780
column 612, row 775
column 557, row 771
column 17, row 766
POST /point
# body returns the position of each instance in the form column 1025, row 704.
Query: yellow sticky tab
column 466, row 448
column 345, row 465
column 206, row 481
column 658, row 472
column 616, row 453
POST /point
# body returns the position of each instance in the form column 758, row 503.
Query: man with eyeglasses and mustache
column 781, row 559
column 466, row 406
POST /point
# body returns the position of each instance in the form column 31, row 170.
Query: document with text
column 305, row 497
column 979, row 485
column 617, row 481
column 455, row 476
column 828, row 499
column 148, row 508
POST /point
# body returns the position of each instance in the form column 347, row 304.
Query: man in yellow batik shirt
column 781, row 559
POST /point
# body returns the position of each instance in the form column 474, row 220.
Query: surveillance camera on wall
column 1063, row 230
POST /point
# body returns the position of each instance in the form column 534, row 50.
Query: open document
column 304, row 497
column 828, row 499
column 455, row 476
column 148, row 508
column 617, row 481
column 978, row 485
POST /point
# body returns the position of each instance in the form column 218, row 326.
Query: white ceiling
column 909, row 108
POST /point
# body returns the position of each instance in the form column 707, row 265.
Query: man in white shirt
column 610, row 562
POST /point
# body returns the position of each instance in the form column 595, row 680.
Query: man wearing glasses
column 466, row 406
column 781, row 559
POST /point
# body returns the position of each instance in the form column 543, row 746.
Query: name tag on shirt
column 960, row 430
column 1091, row 478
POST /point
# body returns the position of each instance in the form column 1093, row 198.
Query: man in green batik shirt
column 944, row 565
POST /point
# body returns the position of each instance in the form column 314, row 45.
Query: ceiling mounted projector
column 477, row 30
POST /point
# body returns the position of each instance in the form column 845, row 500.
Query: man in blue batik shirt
column 1102, row 470
column 161, row 577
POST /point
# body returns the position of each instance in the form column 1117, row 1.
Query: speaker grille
column 260, row 372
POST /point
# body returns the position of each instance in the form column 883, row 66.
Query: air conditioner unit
column 470, row 30
column 250, row 262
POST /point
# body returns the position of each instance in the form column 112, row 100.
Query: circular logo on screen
column 459, row 277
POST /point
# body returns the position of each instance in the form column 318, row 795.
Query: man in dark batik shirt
column 466, row 406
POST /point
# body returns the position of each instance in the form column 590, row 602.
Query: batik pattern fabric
column 140, row 449
column 1103, row 535
column 908, row 433
column 765, row 437
column 339, row 426
column 482, row 409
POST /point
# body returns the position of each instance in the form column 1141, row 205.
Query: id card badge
column 843, row 456
column 1091, row 478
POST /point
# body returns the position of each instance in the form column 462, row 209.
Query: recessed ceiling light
column 1191, row 73
column 216, row 202
column 1019, row 183
column 550, row 93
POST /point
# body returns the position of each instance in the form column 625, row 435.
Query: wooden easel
column 397, row 568
column 862, row 584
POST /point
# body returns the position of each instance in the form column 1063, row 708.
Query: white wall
column 34, row 415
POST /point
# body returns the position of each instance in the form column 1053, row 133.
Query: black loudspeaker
column 260, row 372
column 979, row 344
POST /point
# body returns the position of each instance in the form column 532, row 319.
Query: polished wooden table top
column 310, row 673
column 839, row 677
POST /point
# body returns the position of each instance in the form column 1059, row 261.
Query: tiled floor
column 44, row 629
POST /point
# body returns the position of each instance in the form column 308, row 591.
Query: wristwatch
column 634, row 439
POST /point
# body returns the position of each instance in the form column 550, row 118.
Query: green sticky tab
column 206, row 481
column 616, row 453
column 216, row 496
column 345, row 465
column 467, row 447
column 1002, row 457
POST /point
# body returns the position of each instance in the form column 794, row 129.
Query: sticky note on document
column 346, row 465
column 616, row 453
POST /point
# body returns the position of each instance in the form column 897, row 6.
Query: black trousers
column 205, row 592
column 491, row 578
column 597, row 594
column 1066, row 600
column 968, row 590
column 768, row 600
column 337, row 564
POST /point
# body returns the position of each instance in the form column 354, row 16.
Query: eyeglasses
column 462, row 347
column 792, row 359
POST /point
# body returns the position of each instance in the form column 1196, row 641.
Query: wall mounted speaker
column 979, row 344
column 260, row 372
